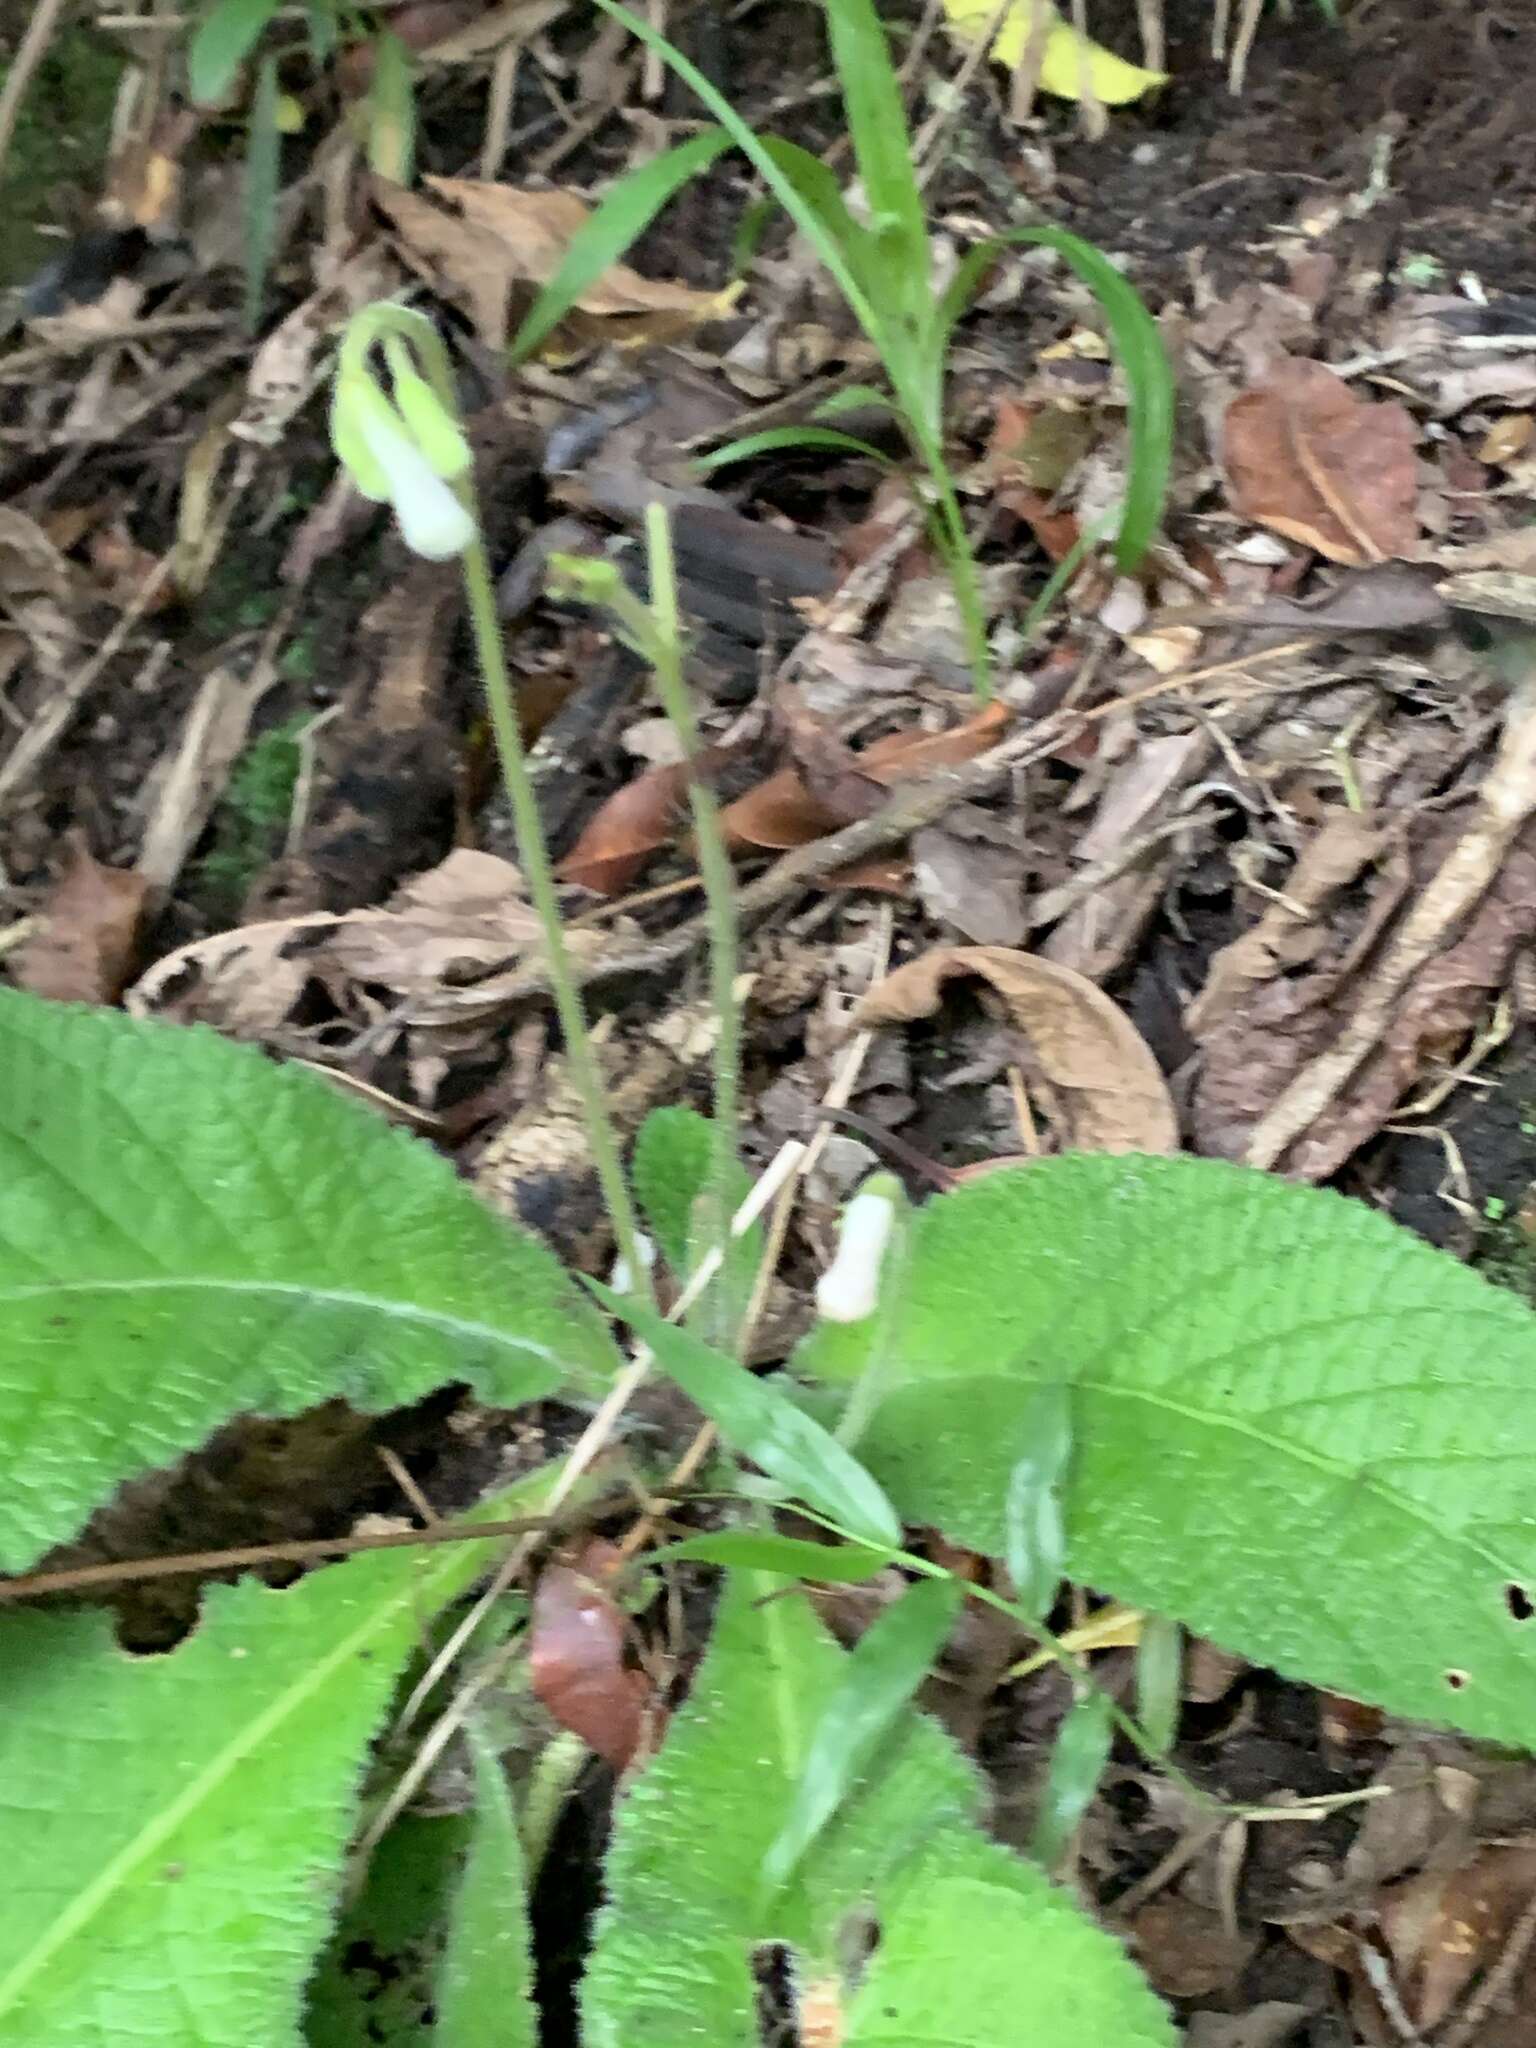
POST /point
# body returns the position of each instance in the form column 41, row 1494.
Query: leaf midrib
column 99, row 1893
column 390, row 1307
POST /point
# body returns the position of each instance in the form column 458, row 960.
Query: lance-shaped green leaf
column 485, row 1993
column 764, row 1424
column 190, row 1232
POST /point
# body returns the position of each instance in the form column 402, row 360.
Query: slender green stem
column 538, row 873
column 714, row 860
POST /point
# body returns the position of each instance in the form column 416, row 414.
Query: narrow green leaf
column 191, row 1232
column 877, row 121
column 626, row 211
column 263, row 149
column 792, row 1557
column 1139, row 348
column 763, row 1424
column 1081, row 1751
column 485, row 1994
column 890, row 1662
column 852, row 398
column 772, row 439
column 1159, row 1678
column 1295, row 1423
column 821, row 195
column 392, row 110
column 1035, row 1539
column 182, row 1818
column 222, row 41
column 759, row 154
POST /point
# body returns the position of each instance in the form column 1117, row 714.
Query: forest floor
column 245, row 777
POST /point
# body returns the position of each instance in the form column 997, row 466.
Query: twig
column 1507, row 802
column 29, row 54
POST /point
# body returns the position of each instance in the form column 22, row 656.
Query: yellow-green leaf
column 1068, row 55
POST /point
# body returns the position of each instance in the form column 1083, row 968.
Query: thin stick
column 45, row 19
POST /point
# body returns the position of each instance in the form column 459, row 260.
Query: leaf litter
column 1254, row 879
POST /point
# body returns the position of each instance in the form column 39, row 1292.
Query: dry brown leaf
column 576, row 1661
column 1443, row 1928
column 781, row 812
column 625, row 831
column 1112, row 1092
column 1307, row 458
column 1186, row 1949
column 84, row 951
column 480, row 241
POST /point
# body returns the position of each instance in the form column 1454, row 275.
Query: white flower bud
column 621, row 1280
column 850, row 1288
column 433, row 520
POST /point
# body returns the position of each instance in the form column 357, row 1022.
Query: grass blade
column 762, row 159
column 391, row 110
column 263, row 146
column 1139, row 347
column 622, row 217
column 877, row 121
column 773, row 438
column 1159, row 1674
column 1082, row 1750
column 225, row 37
column 765, row 1425
column 882, row 1673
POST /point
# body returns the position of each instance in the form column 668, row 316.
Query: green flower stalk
column 406, row 447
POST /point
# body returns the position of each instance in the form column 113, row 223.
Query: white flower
column 850, row 1288
column 433, row 519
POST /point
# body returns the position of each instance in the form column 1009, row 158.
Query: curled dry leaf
column 83, row 951
column 783, row 812
column 1112, row 1093
column 576, row 1659
column 631, row 825
column 1307, row 458
column 480, row 241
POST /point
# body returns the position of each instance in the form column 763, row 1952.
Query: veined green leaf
column 764, row 1425
column 889, row 1663
column 182, row 1818
column 978, row 1950
column 671, row 1165
column 263, row 148
column 626, row 211
column 485, row 1993
column 222, row 41
column 685, row 1910
column 191, row 1232
column 1294, row 1423
column 774, row 438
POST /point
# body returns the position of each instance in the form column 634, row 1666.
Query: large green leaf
column 1296, row 1428
column 672, row 1957
column 189, row 1232
column 181, row 1819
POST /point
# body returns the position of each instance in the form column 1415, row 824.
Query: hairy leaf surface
column 190, row 1232
column 1297, row 1429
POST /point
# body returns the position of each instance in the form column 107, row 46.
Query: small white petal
column 849, row 1289
column 432, row 519
column 621, row 1280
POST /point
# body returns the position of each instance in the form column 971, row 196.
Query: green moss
column 60, row 141
column 249, row 824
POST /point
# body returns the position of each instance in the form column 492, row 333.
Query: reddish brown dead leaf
column 479, row 241
column 84, row 952
column 781, row 812
column 576, row 1659
column 1307, row 458
column 624, row 832
column 1112, row 1093
column 1445, row 1928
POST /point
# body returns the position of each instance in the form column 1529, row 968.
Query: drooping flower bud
column 849, row 1290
